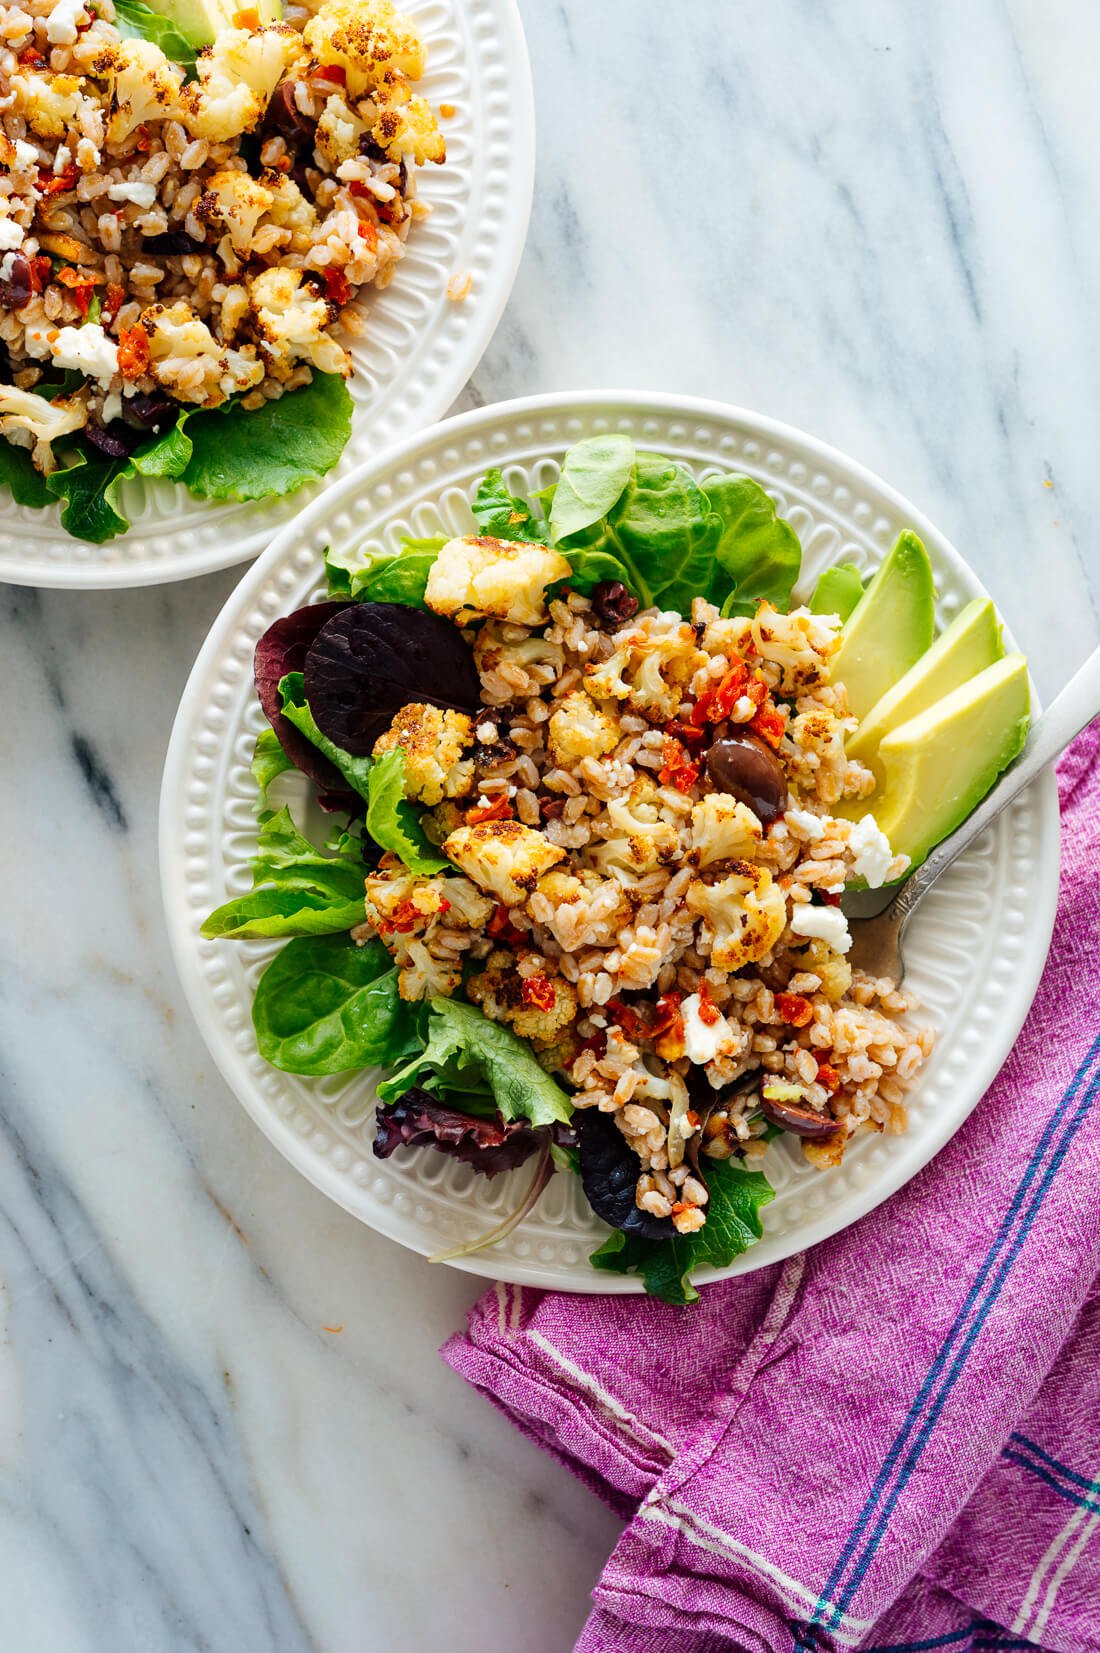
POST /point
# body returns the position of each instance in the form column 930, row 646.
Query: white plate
column 418, row 350
column 974, row 951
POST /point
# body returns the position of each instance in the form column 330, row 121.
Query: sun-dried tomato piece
column 794, row 1009
column 501, row 928
column 57, row 183
column 405, row 917
column 769, row 724
column 113, row 300
column 337, row 285
column 331, row 71
column 627, row 1018
column 717, row 702
column 708, row 1011
column 677, row 768
column 499, row 810
column 828, row 1076
column 133, row 352
column 667, row 1017
column 539, row 991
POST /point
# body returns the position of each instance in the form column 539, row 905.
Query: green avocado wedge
column 939, row 766
column 201, row 21
column 890, row 627
column 971, row 643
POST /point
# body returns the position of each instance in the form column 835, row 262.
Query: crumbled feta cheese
column 62, row 21
column 62, row 159
column 871, row 852
column 26, row 155
column 703, row 1041
column 88, row 350
column 87, row 155
column 112, row 407
column 142, row 195
column 808, row 825
column 11, row 234
column 827, row 924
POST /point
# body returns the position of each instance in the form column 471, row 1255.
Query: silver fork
column 878, row 917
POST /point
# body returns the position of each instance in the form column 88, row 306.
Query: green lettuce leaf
column 268, row 761
column 296, row 890
column 88, row 489
column 385, row 577
column 465, row 1052
column 167, row 454
column 758, row 555
column 324, row 1005
column 733, row 1225
column 594, row 473
column 18, row 474
column 356, row 771
column 136, row 21
column 838, row 590
column 661, row 531
column 392, row 821
column 273, row 449
column 589, row 568
column 500, row 515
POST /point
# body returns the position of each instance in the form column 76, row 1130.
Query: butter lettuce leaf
column 758, row 555
column 733, row 1224
column 88, row 491
column 296, row 889
column 385, row 576
column 594, row 473
column 237, row 453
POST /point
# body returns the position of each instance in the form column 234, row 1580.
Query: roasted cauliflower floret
column 650, row 670
column 435, row 744
column 425, row 923
column 578, row 729
column 291, row 319
column 338, row 132
column 49, row 103
column 538, row 1006
column 722, row 830
column 234, row 203
column 410, row 129
column 364, row 38
column 634, row 837
column 30, row 421
column 503, row 857
column 178, row 341
column 744, row 915
column 474, row 577
column 143, row 85
column 799, row 643
column 580, row 909
column 514, row 667
column 290, row 210
column 237, row 76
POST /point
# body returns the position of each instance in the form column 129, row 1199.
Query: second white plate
column 974, row 951
column 418, row 349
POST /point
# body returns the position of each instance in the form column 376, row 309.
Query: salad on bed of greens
column 330, row 678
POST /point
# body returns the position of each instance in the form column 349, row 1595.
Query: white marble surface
column 878, row 221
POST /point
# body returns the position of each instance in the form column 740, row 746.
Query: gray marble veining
column 222, row 1422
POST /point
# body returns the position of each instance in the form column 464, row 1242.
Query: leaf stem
column 544, row 1170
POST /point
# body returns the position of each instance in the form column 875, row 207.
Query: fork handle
column 1066, row 716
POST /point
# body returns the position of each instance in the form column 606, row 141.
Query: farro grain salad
column 191, row 200
column 596, row 771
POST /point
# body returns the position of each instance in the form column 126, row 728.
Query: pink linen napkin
column 890, row 1442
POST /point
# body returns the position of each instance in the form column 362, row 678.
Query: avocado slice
column 201, row 21
column 971, row 643
column 890, row 628
column 939, row 766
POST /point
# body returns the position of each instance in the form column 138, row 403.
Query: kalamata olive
column 116, row 440
column 804, row 1122
column 155, row 413
column 285, row 120
column 171, row 243
column 15, row 290
column 750, row 772
column 613, row 603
